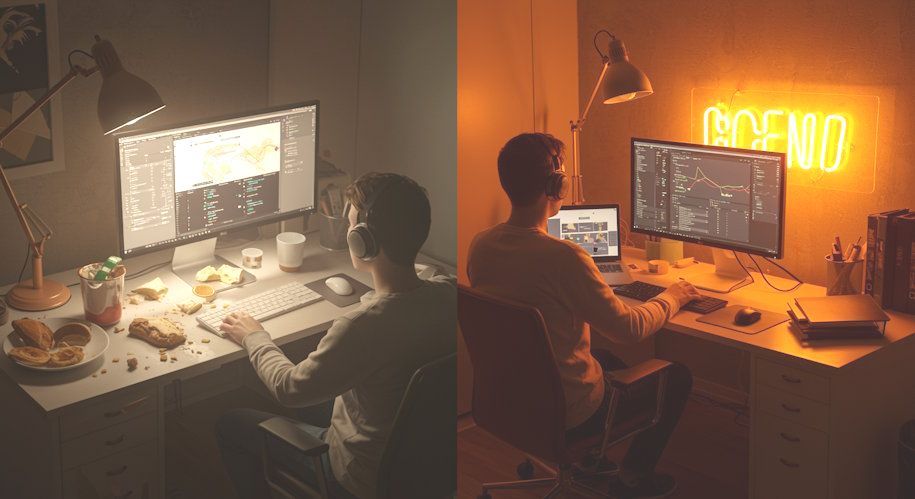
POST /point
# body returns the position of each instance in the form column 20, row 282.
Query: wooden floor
column 707, row 455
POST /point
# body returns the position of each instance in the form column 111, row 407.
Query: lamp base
column 51, row 295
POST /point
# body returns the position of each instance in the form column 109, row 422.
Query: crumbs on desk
column 146, row 368
column 205, row 340
column 104, row 371
column 94, row 375
column 118, row 330
column 132, row 363
column 174, row 359
column 163, row 357
column 116, row 359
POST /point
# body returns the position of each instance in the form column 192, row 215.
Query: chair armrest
column 625, row 378
column 287, row 431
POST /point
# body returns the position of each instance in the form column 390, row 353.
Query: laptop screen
column 595, row 228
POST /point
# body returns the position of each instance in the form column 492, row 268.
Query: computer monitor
column 726, row 198
column 189, row 183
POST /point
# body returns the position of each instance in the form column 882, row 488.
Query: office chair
column 419, row 459
column 518, row 397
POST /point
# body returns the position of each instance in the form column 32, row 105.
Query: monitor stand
column 728, row 275
column 191, row 257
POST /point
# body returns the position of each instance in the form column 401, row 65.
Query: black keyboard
column 609, row 267
column 644, row 292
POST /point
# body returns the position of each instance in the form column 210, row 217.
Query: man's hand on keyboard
column 683, row 291
column 238, row 325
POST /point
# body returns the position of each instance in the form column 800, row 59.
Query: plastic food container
column 102, row 300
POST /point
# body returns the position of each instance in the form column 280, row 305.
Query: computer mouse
column 746, row 316
column 339, row 285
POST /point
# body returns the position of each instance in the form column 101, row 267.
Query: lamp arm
column 19, row 209
column 600, row 79
column 578, row 196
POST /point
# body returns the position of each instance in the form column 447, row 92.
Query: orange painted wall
column 517, row 72
column 782, row 45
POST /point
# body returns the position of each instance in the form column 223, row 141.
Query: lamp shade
column 623, row 81
column 124, row 97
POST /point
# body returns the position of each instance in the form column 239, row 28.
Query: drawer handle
column 789, row 408
column 115, row 441
column 127, row 408
column 790, row 438
column 791, row 379
column 789, row 464
column 117, row 471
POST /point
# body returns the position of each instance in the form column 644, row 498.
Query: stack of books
column 889, row 265
column 838, row 317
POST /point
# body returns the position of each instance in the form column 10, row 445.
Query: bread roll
column 66, row 356
column 34, row 333
column 30, row 356
column 162, row 333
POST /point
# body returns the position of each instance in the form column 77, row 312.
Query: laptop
column 595, row 228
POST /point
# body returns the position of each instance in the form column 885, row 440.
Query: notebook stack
column 838, row 317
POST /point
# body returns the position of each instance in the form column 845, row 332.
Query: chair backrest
column 517, row 393
column 420, row 459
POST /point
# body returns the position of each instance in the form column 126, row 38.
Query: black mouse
column 746, row 316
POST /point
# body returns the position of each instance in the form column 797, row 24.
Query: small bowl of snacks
column 205, row 292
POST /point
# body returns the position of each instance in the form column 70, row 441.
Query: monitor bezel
column 602, row 206
column 235, row 226
column 779, row 252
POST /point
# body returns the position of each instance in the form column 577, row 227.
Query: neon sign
column 829, row 140
column 813, row 140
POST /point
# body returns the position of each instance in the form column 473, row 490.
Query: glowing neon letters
column 811, row 140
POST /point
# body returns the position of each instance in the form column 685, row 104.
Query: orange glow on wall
column 829, row 140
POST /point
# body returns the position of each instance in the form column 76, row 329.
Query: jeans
column 647, row 446
column 241, row 445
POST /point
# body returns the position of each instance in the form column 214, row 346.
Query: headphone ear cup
column 558, row 185
column 362, row 242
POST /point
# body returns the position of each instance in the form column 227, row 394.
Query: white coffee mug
column 290, row 248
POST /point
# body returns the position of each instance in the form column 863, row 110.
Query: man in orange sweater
column 519, row 260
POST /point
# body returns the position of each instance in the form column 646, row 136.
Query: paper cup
column 290, row 248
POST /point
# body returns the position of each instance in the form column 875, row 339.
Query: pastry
column 229, row 274
column 66, row 356
column 206, row 274
column 190, row 307
column 72, row 334
column 34, row 333
column 152, row 290
column 30, row 356
column 162, row 333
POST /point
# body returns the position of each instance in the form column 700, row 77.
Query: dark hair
column 525, row 163
column 401, row 215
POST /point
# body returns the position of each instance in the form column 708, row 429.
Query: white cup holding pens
column 290, row 249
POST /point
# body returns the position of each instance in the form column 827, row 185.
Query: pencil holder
column 844, row 278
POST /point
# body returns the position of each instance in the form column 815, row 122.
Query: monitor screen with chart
column 722, row 197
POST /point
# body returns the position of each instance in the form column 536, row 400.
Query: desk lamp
column 622, row 82
column 123, row 100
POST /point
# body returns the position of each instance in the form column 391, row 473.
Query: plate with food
column 54, row 344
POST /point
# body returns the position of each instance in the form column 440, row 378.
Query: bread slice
column 161, row 332
column 30, row 356
column 34, row 333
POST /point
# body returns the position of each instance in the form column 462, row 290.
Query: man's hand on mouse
column 239, row 325
column 683, row 291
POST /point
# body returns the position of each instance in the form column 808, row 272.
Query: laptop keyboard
column 609, row 267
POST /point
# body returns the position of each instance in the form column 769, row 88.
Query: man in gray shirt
column 365, row 361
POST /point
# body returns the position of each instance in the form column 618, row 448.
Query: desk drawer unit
column 107, row 441
column 128, row 474
column 108, row 412
column 790, row 454
column 790, row 379
column 792, row 408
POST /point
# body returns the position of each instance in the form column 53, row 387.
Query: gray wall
column 407, row 114
column 205, row 58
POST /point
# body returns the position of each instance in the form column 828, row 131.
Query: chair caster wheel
column 525, row 470
column 484, row 496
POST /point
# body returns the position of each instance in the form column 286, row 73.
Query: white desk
column 824, row 415
column 82, row 433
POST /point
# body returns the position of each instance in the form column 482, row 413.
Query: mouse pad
column 725, row 318
column 359, row 289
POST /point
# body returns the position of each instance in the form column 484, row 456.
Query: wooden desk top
column 779, row 339
column 53, row 391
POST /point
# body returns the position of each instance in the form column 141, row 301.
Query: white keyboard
column 262, row 306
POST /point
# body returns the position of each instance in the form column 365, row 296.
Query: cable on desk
column 147, row 270
column 763, row 274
